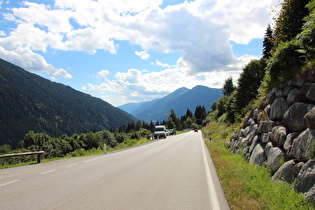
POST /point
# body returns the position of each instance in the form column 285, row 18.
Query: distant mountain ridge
column 30, row 102
column 179, row 100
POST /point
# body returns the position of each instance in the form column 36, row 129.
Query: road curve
column 173, row 173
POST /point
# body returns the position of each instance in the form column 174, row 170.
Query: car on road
column 160, row 132
column 172, row 131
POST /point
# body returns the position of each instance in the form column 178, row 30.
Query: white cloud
column 164, row 65
column 201, row 30
column 103, row 74
column 31, row 61
column 136, row 86
column 144, row 55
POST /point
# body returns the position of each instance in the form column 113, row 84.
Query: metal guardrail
column 38, row 153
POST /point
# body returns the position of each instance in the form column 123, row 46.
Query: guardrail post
column 38, row 157
column 105, row 148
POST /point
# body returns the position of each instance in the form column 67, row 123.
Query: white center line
column 47, row 172
column 1, row 185
column 71, row 165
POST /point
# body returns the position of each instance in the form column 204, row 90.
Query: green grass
column 82, row 153
column 128, row 143
column 248, row 186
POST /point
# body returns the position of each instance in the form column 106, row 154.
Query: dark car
column 172, row 131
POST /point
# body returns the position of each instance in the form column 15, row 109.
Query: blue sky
column 133, row 51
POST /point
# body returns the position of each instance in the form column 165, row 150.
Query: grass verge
column 248, row 186
column 82, row 153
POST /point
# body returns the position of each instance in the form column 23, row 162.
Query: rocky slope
column 280, row 134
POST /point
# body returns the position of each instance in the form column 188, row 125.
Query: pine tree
column 228, row 87
column 268, row 42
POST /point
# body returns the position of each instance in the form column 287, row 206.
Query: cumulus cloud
column 201, row 30
column 31, row 61
column 137, row 86
column 144, row 55
column 164, row 65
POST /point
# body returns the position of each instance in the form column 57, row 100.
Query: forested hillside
column 30, row 102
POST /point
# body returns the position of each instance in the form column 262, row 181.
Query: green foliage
column 290, row 20
column 5, row 149
column 30, row 102
column 268, row 42
column 306, row 38
column 249, row 83
column 293, row 41
column 228, row 87
column 108, row 138
column 285, row 63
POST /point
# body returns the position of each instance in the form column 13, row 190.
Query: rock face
column 285, row 143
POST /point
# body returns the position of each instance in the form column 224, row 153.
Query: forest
column 30, row 102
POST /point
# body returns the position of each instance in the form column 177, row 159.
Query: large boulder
column 311, row 93
column 289, row 141
column 268, row 146
column 271, row 96
column 292, row 96
column 278, row 135
column 294, row 117
column 309, row 119
column 278, row 108
column 265, row 137
column 254, row 144
column 310, row 195
column 274, row 159
column 301, row 95
column 258, row 156
column 303, row 146
column 285, row 172
column 265, row 126
column 306, row 178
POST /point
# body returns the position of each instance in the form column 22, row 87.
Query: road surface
column 173, row 173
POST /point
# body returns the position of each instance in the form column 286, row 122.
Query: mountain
column 180, row 100
column 30, row 102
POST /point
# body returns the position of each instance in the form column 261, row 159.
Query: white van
column 160, row 131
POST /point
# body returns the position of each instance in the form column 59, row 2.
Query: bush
column 284, row 64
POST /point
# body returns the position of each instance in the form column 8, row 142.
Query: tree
column 188, row 114
column 174, row 121
column 268, row 42
column 228, row 87
column 138, row 125
column 249, row 82
column 290, row 20
column 306, row 37
column 200, row 114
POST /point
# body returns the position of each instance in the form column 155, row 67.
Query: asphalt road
column 173, row 173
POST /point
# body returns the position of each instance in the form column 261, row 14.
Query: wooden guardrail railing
column 38, row 153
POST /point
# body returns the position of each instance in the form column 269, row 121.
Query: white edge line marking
column 47, row 172
column 71, row 165
column 213, row 194
column 1, row 185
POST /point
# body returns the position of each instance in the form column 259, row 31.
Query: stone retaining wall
column 280, row 134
